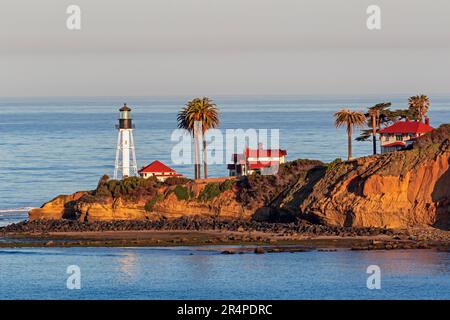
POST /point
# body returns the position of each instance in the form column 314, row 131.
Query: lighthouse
column 125, row 153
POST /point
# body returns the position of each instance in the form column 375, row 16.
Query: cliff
column 137, row 199
column 396, row 190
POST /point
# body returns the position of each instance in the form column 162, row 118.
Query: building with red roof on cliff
column 402, row 134
column 261, row 160
column 159, row 170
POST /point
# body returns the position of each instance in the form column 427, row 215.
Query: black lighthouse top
column 125, row 121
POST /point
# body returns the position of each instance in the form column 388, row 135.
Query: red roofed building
column 159, row 170
column 261, row 160
column 402, row 134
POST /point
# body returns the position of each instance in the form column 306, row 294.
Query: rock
column 228, row 252
column 259, row 250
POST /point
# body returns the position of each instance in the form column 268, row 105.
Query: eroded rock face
column 397, row 190
column 222, row 206
column 61, row 207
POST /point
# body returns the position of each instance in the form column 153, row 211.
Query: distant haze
column 223, row 47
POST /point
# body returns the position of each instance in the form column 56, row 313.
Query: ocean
column 205, row 273
column 53, row 146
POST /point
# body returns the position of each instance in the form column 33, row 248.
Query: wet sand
column 271, row 242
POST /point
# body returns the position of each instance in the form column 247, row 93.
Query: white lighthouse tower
column 125, row 152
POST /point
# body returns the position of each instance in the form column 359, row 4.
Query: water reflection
column 404, row 262
column 128, row 264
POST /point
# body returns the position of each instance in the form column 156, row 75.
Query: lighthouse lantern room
column 126, row 164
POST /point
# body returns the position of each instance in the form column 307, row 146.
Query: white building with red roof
column 261, row 160
column 159, row 170
column 402, row 134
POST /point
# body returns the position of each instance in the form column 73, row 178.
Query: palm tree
column 350, row 119
column 205, row 112
column 376, row 115
column 419, row 104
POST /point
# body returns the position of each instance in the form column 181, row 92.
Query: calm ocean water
column 54, row 146
column 189, row 273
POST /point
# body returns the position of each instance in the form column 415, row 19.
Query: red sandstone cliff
column 397, row 190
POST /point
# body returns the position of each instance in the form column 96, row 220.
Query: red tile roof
column 395, row 144
column 407, row 127
column 252, row 165
column 257, row 153
column 157, row 166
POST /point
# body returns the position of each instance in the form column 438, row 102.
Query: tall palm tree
column 419, row 104
column 374, row 115
column 205, row 111
column 351, row 119
column 377, row 115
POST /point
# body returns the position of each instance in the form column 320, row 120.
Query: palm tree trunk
column 195, row 171
column 349, row 131
column 197, row 159
column 205, row 165
column 197, row 165
column 374, row 133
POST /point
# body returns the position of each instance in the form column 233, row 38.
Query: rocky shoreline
column 298, row 236
column 190, row 224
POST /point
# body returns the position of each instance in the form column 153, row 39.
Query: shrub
column 182, row 193
column 226, row 185
column 129, row 188
column 334, row 163
column 260, row 190
column 152, row 202
column 210, row 191
column 173, row 181
column 437, row 136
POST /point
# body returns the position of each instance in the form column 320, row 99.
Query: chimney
column 427, row 121
column 407, row 119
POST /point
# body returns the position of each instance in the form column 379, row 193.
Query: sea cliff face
column 396, row 190
column 168, row 202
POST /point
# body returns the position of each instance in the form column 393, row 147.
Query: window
column 399, row 137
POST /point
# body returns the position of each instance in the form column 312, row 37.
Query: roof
column 259, row 165
column 257, row 153
column 407, row 127
column 395, row 144
column 125, row 108
column 157, row 166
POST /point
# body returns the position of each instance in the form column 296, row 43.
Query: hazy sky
column 223, row 47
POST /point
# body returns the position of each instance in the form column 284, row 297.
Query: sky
column 223, row 47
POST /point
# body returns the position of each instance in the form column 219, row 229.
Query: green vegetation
column 435, row 137
column 261, row 190
column 214, row 189
column 210, row 191
column 129, row 188
column 334, row 163
column 182, row 193
column 227, row 185
column 152, row 202
column 173, row 181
